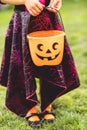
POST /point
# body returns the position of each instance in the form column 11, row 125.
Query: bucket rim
column 62, row 33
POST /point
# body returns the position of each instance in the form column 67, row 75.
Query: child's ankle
column 48, row 108
column 33, row 110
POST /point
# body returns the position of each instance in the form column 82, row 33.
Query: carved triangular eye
column 54, row 46
column 39, row 46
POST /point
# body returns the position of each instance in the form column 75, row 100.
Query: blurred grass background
column 71, row 109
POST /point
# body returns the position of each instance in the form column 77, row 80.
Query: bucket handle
column 59, row 15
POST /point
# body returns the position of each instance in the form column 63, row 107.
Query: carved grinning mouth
column 49, row 58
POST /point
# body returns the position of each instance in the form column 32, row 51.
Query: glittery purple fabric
column 18, row 72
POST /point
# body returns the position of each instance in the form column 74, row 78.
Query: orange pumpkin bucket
column 46, row 47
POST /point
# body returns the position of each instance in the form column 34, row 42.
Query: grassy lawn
column 71, row 109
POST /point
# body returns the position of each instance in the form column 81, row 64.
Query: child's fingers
column 34, row 7
column 34, row 11
column 51, row 9
column 55, row 5
column 58, row 4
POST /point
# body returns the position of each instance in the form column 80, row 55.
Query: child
column 18, row 72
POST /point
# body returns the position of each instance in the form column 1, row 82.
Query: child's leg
column 32, row 111
column 33, row 117
column 47, row 115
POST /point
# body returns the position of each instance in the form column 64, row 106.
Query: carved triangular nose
column 48, row 51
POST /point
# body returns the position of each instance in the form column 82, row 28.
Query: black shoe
column 50, row 120
column 34, row 124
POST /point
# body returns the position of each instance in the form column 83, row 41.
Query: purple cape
column 18, row 72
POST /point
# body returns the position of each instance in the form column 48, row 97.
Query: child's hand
column 34, row 7
column 54, row 5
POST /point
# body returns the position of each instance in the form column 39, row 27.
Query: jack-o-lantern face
column 50, row 53
column 46, row 51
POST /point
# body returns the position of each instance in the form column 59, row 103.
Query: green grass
column 71, row 109
column 4, row 20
